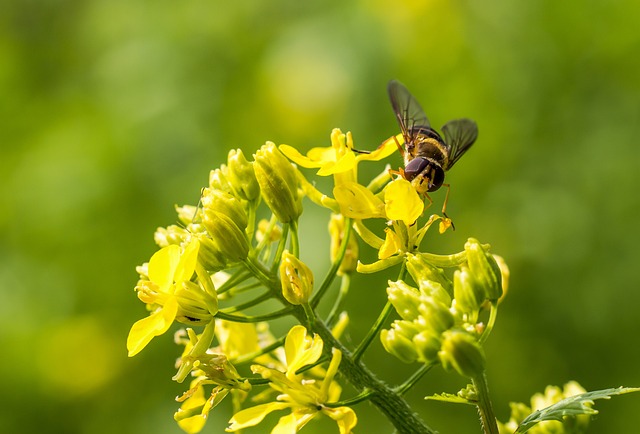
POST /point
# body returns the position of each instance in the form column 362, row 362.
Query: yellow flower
column 305, row 397
column 339, row 159
column 168, row 269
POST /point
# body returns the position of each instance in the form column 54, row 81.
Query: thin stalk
column 256, row 318
column 281, row 246
column 375, row 329
column 331, row 274
column 493, row 314
column 246, row 358
column 266, row 296
column 488, row 418
column 411, row 381
column 337, row 305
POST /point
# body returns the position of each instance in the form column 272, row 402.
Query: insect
column 427, row 155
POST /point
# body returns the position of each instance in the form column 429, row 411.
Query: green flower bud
column 427, row 343
column 278, row 184
column 467, row 292
column 422, row 270
column 195, row 306
column 431, row 288
column 397, row 344
column 462, row 353
column 434, row 315
column 229, row 239
column 350, row 259
column 405, row 299
column 218, row 180
column 211, row 258
column 220, row 202
column 484, row 269
column 170, row 235
column 296, row 279
column 241, row 176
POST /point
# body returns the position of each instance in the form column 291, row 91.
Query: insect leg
column 444, row 205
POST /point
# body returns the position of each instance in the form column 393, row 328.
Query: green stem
column 337, row 305
column 489, row 424
column 351, row 401
column 281, row 246
column 390, row 403
column 493, row 314
column 266, row 296
column 258, row 318
column 331, row 274
column 246, row 358
column 375, row 329
column 411, row 381
column 295, row 242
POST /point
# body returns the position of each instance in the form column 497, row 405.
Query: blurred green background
column 113, row 111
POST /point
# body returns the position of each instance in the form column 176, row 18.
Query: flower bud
column 484, row 269
column 218, row 180
column 241, row 176
column 431, row 288
column 462, row 353
column 397, row 344
column 467, row 292
column 278, row 184
column 187, row 213
column 296, row 279
column 350, row 259
column 229, row 239
column 170, row 235
column 405, row 299
column 211, row 258
column 427, row 343
column 219, row 201
column 435, row 315
column 421, row 269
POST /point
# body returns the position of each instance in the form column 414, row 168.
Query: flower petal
column 356, row 201
column 387, row 148
column 402, row 202
column 253, row 415
column 301, row 349
column 163, row 265
column 144, row 330
column 294, row 155
column 286, row 425
column 187, row 263
column 345, row 163
column 344, row 416
column 391, row 244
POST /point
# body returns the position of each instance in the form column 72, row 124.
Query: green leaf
column 572, row 406
column 450, row 397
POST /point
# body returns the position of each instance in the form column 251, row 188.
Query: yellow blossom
column 168, row 269
column 339, row 159
column 305, row 397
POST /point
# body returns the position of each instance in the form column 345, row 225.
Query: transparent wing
column 459, row 135
column 406, row 108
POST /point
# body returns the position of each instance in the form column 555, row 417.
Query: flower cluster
column 223, row 268
column 441, row 319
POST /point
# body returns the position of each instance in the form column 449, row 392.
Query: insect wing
column 407, row 109
column 459, row 135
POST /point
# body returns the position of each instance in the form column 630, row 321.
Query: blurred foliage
column 112, row 111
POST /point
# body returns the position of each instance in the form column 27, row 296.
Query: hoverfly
column 427, row 156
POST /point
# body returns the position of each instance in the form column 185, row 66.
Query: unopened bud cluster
column 222, row 222
column 439, row 319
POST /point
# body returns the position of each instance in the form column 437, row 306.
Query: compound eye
column 415, row 167
column 437, row 178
